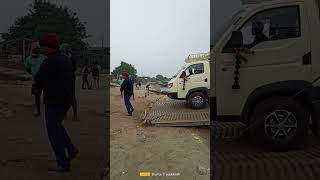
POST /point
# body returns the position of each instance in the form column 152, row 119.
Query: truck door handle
column 206, row 79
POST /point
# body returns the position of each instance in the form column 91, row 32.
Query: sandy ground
column 25, row 152
column 135, row 149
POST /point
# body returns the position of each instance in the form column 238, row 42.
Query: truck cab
column 265, row 71
column 192, row 81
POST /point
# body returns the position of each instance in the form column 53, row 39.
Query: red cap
column 50, row 40
column 125, row 74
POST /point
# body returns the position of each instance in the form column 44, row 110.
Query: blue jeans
column 57, row 134
column 128, row 103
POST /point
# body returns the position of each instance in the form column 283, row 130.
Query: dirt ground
column 135, row 149
column 25, row 152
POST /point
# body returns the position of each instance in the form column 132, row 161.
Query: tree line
column 124, row 66
column 43, row 17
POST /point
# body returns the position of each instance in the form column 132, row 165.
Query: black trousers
column 85, row 81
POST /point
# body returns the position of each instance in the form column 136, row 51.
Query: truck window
column 195, row 69
column 180, row 70
column 272, row 24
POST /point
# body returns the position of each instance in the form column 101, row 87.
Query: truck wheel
column 197, row 100
column 279, row 129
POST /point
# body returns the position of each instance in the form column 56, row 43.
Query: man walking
column 66, row 51
column 55, row 80
column 139, row 84
column 127, row 91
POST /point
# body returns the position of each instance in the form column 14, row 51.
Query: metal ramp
column 167, row 112
column 227, row 130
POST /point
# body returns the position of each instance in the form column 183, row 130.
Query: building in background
column 93, row 55
column 14, row 52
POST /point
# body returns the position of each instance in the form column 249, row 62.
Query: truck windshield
column 181, row 69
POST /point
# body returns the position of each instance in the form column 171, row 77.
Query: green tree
column 124, row 67
column 160, row 77
column 45, row 17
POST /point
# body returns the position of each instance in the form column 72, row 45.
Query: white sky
column 157, row 35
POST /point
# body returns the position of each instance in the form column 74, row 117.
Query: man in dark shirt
column 65, row 50
column 127, row 90
column 257, row 30
column 55, row 79
column 96, row 74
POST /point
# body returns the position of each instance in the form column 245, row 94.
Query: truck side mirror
column 183, row 75
column 236, row 41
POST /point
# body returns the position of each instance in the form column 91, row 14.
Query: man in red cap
column 127, row 90
column 54, row 78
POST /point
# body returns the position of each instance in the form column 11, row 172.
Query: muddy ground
column 25, row 152
column 135, row 149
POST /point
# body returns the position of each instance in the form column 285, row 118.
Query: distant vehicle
column 192, row 81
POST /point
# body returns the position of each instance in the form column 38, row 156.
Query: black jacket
column 95, row 71
column 55, row 78
column 74, row 64
column 127, row 87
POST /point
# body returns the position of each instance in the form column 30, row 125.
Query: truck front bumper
column 172, row 95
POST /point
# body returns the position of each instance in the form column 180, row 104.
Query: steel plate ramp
column 167, row 112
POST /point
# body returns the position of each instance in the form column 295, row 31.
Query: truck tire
column 197, row 100
column 279, row 129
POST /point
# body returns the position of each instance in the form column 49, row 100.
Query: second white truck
column 265, row 71
column 192, row 81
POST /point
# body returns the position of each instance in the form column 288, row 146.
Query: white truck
column 192, row 81
column 265, row 69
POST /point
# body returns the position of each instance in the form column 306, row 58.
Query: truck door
column 195, row 77
column 279, row 37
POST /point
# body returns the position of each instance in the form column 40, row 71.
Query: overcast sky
column 153, row 35
column 221, row 11
column 93, row 12
column 157, row 35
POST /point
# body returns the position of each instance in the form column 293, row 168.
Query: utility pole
column 212, row 21
column 23, row 49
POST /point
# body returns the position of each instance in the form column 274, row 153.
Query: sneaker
column 130, row 114
column 132, row 109
column 73, row 155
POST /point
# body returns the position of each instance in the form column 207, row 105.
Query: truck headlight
column 170, row 85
